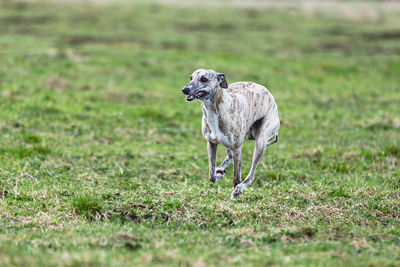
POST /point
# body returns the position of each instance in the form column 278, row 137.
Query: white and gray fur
column 230, row 113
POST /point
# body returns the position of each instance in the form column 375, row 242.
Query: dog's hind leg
column 258, row 153
column 237, row 164
column 221, row 168
column 259, row 150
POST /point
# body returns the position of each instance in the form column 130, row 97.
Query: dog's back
column 259, row 101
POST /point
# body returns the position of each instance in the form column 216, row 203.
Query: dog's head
column 203, row 84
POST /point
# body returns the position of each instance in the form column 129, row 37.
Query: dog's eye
column 190, row 78
column 203, row 79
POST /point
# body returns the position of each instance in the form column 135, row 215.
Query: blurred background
column 96, row 59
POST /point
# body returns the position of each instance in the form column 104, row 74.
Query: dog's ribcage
column 227, row 120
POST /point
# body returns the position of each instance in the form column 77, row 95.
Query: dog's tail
column 274, row 124
column 273, row 141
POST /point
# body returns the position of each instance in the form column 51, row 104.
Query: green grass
column 102, row 161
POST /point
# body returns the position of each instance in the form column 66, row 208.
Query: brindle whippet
column 229, row 114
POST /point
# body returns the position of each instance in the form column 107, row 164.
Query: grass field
column 102, row 161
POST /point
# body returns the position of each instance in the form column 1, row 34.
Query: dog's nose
column 186, row 90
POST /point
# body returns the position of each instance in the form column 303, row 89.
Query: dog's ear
column 222, row 80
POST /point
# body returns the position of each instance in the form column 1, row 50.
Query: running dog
column 230, row 113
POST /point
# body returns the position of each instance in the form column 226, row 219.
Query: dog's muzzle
column 191, row 97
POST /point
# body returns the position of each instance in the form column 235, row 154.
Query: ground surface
column 102, row 161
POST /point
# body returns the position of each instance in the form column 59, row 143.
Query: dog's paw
column 235, row 197
column 237, row 191
column 220, row 173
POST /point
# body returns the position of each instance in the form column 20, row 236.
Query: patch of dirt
column 302, row 234
column 383, row 35
column 84, row 39
column 309, row 153
column 166, row 45
column 57, row 83
column 104, row 39
column 42, row 219
column 205, row 26
column 334, row 46
column 14, row 5
column 18, row 19
column 130, row 214
column 3, row 193
column 360, row 243
column 127, row 240
column 167, row 174
column 350, row 154
column 326, row 211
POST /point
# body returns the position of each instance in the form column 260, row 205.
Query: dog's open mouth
column 196, row 96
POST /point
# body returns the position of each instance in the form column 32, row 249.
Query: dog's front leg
column 221, row 168
column 237, row 164
column 212, row 160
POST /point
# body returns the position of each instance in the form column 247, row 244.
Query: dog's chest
column 212, row 132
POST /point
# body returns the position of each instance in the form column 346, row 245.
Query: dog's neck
column 215, row 110
column 216, row 103
column 214, row 113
